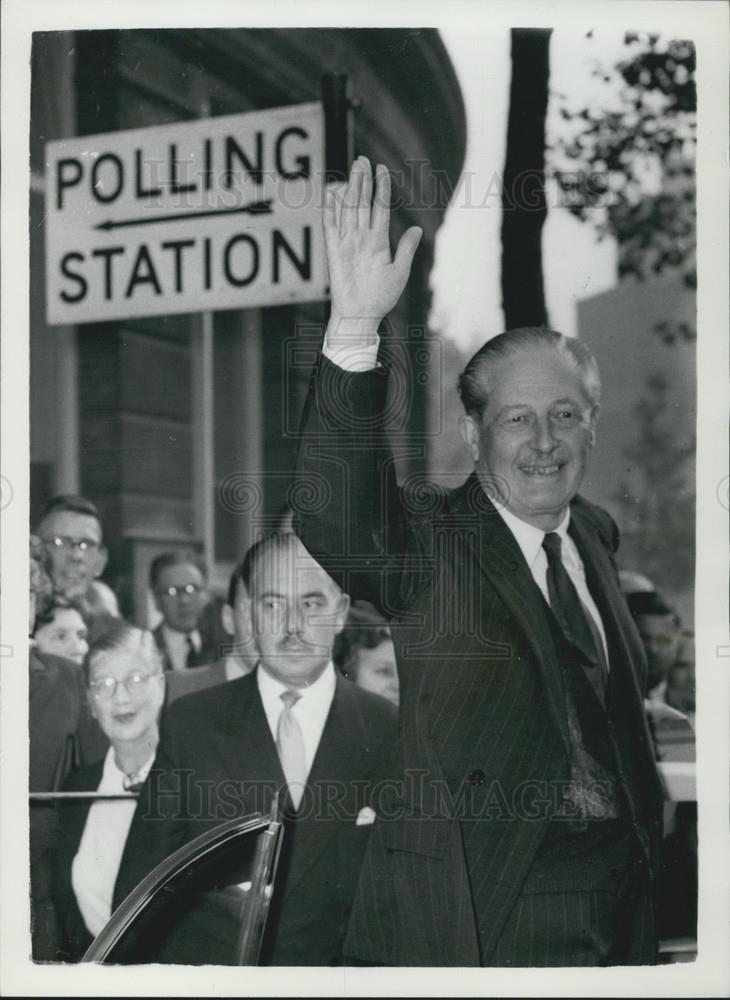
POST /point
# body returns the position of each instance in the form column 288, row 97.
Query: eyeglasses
column 69, row 544
column 188, row 588
column 105, row 688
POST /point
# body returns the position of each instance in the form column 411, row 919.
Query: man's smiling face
column 531, row 444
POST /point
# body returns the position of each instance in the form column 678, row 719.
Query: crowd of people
column 494, row 674
column 101, row 687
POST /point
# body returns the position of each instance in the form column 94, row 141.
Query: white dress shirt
column 95, row 867
column 177, row 645
column 353, row 359
column 310, row 711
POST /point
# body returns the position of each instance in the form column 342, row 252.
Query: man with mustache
column 294, row 726
column 531, row 837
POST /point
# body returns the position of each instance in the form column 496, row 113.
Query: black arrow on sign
column 254, row 208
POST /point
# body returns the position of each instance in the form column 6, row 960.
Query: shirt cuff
column 353, row 358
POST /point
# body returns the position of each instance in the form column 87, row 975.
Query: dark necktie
column 573, row 618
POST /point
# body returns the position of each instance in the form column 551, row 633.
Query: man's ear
column 469, row 430
column 244, row 613
column 101, row 560
column 91, row 703
column 342, row 611
column 227, row 619
column 162, row 691
column 594, row 422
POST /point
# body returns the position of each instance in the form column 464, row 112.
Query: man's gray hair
column 473, row 385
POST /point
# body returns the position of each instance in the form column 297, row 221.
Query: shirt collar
column 114, row 778
column 528, row 537
column 179, row 640
column 321, row 690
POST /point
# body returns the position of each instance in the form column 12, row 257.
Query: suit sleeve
column 348, row 509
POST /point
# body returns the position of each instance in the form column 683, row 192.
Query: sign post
column 338, row 106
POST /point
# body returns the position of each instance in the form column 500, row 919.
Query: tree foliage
column 626, row 162
column 658, row 501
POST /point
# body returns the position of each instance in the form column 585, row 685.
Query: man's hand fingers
column 365, row 280
column 381, row 207
column 351, row 202
column 329, row 217
column 406, row 249
column 334, row 197
column 366, row 194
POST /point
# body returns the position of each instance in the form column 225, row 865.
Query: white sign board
column 221, row 213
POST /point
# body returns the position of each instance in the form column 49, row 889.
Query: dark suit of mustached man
column 292, row 725
column 525, row 828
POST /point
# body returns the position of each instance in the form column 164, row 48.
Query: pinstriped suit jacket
column 483, row 743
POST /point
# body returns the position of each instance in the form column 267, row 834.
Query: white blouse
column 96, row 865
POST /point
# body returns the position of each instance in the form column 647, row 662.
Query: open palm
column 366, row 281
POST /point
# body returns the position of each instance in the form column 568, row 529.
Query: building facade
column 182, row 428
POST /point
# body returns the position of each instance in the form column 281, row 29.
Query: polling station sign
column 221, row 213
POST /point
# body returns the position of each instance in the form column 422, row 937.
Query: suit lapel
column 600, row 577
column 74, row 813
column 633, row 739
column 248, row 748
column 500, row 560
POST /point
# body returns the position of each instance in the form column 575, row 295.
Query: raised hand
column 366, row 280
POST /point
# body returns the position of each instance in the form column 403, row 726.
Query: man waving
column 525, row 824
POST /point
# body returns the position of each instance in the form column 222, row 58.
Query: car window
column 205, row 905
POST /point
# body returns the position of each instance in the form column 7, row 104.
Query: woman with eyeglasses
column 125, row 690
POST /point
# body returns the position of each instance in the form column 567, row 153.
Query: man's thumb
column 407, row 247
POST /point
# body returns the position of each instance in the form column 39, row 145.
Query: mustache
column 295, row 644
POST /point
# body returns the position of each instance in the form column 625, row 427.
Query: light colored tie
column 290, row 747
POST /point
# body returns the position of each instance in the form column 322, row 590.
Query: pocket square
column 365, row 817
